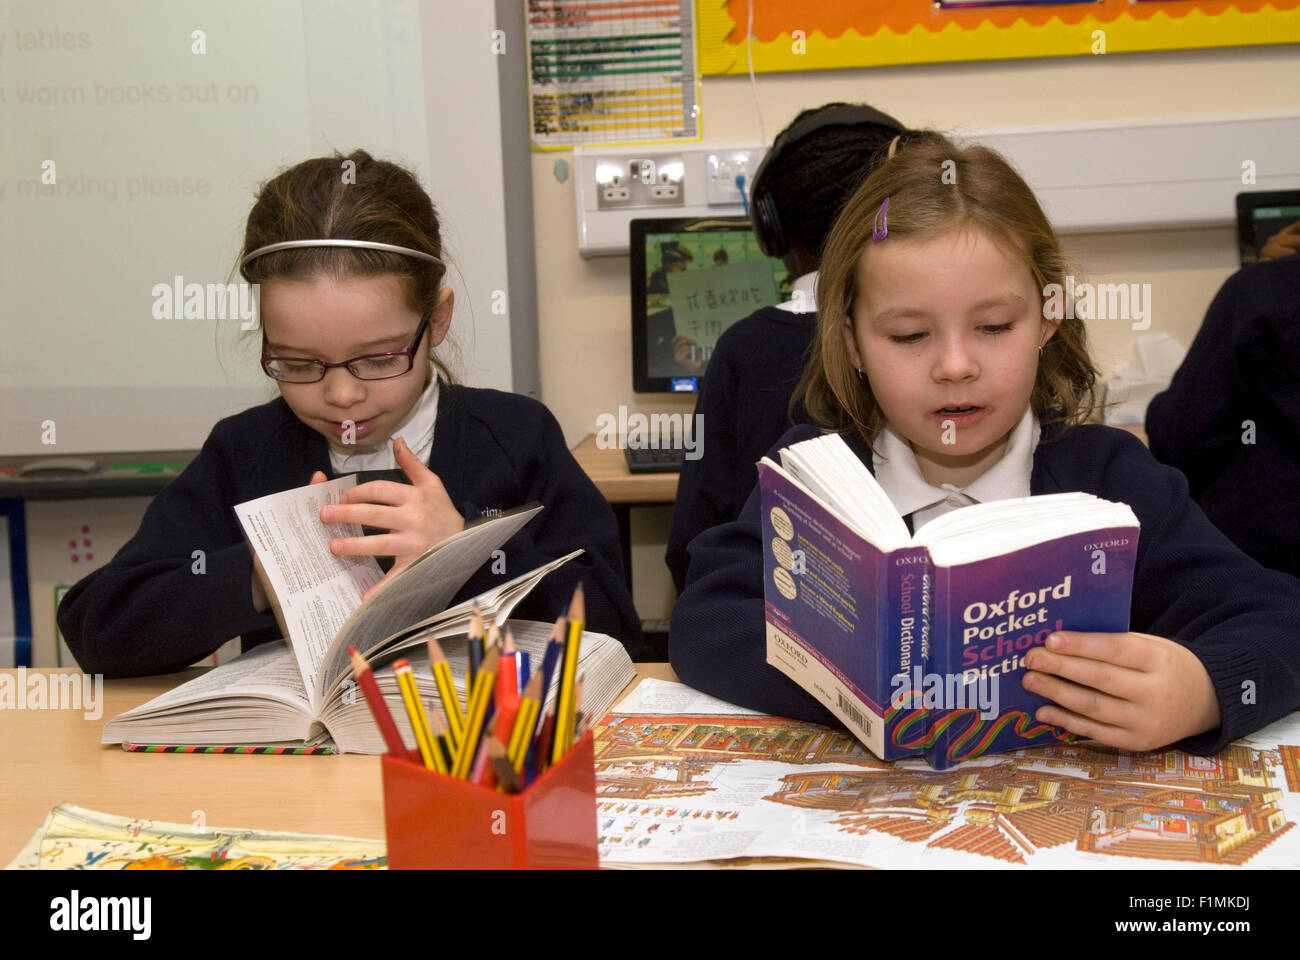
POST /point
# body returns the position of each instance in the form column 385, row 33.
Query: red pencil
column 378, row 708
column 544, row 738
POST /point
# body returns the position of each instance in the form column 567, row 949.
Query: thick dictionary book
column 300, row 691
column 917, row 642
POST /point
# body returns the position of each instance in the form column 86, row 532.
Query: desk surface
column 54, row 756
column 608, row 471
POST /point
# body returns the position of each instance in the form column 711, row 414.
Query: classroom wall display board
column 829, row 34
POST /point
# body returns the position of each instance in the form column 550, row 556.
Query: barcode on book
column 855, row 714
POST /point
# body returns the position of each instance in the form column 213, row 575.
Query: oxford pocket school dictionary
column 917, row 642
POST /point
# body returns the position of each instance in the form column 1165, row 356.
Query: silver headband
column 361, row 244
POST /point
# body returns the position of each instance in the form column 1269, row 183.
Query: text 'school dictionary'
column 917, row 643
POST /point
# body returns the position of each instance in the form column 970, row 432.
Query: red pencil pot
column 433, row 821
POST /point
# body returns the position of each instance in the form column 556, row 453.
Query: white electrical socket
column 614, row 185
column 723, row 169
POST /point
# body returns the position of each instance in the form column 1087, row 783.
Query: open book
column 917, row 642
column 300, row 691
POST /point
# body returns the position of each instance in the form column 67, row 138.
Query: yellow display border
column 1123, row 34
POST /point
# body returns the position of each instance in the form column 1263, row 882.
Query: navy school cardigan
column 1191, row 585
column 1230, row 419
column 145, row 612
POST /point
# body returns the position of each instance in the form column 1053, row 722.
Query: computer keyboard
column 645, row 460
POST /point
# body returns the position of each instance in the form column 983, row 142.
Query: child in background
column 1230, row 419
column 813, row 168
column 933, row 314
column 353, row 303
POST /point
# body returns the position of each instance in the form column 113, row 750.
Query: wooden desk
column 624, row 490
column 54, row 756
column 608, row 471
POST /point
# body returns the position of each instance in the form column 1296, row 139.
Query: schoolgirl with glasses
column 354, row 313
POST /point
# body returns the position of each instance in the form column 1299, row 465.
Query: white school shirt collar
column 900, row 476
column 807, row 285
column 416, row 430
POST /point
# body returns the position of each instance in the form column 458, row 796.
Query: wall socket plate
column 639, row 181
column 615, row 185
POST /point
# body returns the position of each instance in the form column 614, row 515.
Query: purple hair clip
column 880, row 224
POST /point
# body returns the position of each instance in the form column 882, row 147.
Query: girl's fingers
column 318, row 477
column 411, row 465
column 1084, row 701
column 379, row 491
column 1124, row 683
column 1131, row 650
column 376, row 545
column 367, row 514
column 1087, row 727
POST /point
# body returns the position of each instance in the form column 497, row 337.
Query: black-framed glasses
column 374, row 366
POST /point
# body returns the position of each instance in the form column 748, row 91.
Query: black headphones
column 768, row 229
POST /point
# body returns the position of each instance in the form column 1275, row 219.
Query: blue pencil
column 522, row 663
column 553, row 649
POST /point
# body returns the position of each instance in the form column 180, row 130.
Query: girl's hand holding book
column 417, row 515
column 1134, row 691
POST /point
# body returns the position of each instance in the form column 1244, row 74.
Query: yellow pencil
column 525, row 720
column 476, row 715
column 447, row 691
column 564, row 710
column 415, row 711
column 441, row 761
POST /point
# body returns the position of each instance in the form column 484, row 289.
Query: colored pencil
column 508, row 669
column 438, row 744
column 525, row 721
column 482, row 772
column 506, row 774
column 564, row 711
column 446, row 691
column 130, row 747
column 523, row 663
column 415, row 711
column 578, row 715
column 534, row 757
column 544, row 740
column 492, row 654
column 365, row 678
column 476, row 715
column 475, row 651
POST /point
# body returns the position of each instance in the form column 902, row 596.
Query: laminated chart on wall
column 611, row 71
column 833, row 34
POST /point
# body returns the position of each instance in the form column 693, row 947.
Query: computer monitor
column 1261, row 214
column 692, row 278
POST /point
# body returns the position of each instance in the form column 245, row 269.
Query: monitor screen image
column 1260, row 214
column 692, row 278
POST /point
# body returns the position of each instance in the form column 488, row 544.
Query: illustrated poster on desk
column 720, row 788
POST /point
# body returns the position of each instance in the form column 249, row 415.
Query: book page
column 267, row 672
column 419, row 591
column 495, row 604
column 317, row 591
